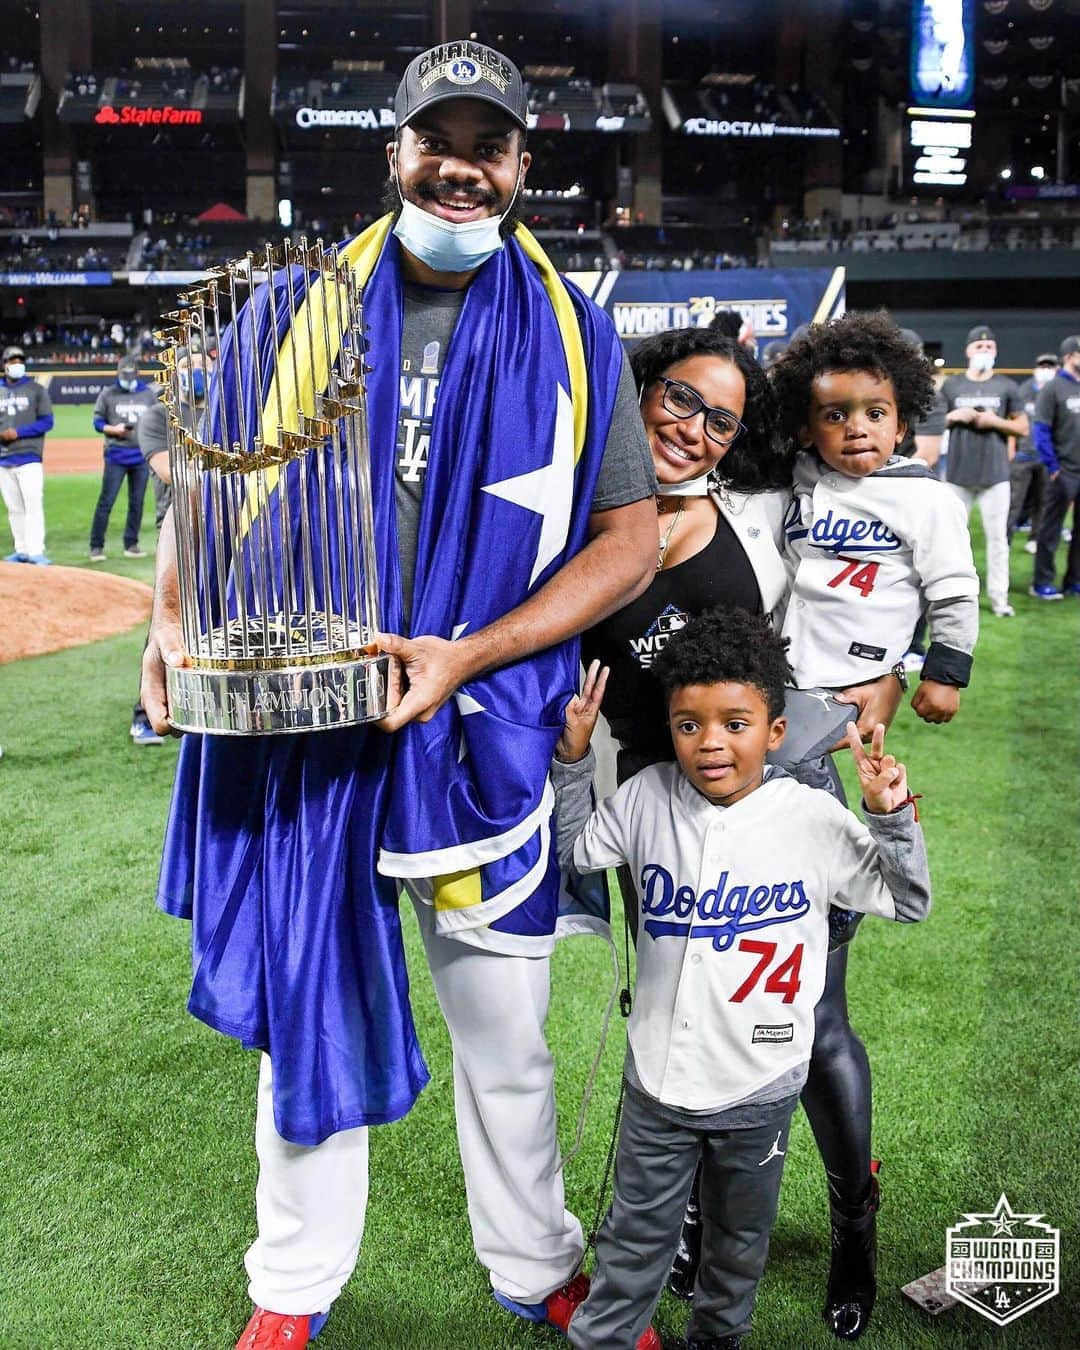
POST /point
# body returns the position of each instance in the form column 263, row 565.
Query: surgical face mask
column 128, row 385
column 982, row 361
column 193, row 384
column 446, row 245
column 1043, row 375
column 15, row 370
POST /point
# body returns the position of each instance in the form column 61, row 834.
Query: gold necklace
column 662, row 548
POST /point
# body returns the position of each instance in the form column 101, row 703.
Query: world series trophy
column 275, row 543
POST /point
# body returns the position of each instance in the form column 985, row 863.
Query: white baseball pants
column 994, row 509
column 23, row 490
column 310, row 1201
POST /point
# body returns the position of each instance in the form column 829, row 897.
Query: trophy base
column 278, row 702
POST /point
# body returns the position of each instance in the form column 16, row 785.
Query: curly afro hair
column 724, row 645
column 757, row 461
column 869, row 342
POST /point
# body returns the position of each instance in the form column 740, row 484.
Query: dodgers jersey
column 866, row 556
column 733, row 930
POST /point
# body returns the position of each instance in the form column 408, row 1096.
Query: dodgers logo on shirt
column 836, row 533
column 719, row 913
column 463, row 71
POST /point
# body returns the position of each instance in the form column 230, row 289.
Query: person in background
column 1027, row 472
column 982, row 411
column 1057, row 439
column 117, row 413
column 26, row 417
column 192, row 371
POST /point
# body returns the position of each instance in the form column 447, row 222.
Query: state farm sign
column 130, row 116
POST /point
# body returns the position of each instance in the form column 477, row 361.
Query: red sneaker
column 564, row 1302
column 280, row 1331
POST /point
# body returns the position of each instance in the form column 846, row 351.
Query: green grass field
column 126, row 1129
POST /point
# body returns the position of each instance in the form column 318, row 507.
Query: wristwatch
column 901, row 675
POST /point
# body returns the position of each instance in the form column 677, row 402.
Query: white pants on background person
column 994, row 510
column 23, row 490
column 310, row 1201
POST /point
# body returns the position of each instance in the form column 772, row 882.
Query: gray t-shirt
column 154, row 440
column 979, row 458
column 1058, row 405
column 431, row 315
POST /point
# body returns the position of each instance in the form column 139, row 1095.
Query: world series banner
column 776, row 301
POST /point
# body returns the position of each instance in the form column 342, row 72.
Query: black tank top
column 629, row 640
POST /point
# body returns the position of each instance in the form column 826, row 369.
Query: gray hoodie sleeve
column 881, row 867
column 573, row 802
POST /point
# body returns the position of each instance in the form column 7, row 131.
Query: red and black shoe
column 852, row 1287
column 280, row 1331
column 558, row 1308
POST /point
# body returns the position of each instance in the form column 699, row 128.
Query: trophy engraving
column 276, row 562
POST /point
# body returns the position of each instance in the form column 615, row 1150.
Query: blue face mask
column 193, row 384
column 445, row 245
column 128, row 386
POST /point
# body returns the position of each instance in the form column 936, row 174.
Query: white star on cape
column 549, row 492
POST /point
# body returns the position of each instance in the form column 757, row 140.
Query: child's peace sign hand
column 883, row 781
column 581, row 714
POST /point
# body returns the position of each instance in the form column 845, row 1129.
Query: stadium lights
column 1005, row 173
column 1038, row 172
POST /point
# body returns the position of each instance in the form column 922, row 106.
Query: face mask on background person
column 1042, row 375
column 15, row 370
column 128, row 383
column 193, row 384
column 447, row 245
column 982, row 361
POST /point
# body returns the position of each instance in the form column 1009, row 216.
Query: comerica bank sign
column 367, row 119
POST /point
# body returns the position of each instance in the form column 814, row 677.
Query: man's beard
column 391, row 202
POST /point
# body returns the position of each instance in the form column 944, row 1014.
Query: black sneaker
column 852, row 1287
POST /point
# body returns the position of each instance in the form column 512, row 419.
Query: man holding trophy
column 426, row 447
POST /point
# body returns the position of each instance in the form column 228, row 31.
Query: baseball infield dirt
column 43, row 609
column 72, row 454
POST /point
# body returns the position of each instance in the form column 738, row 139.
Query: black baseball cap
column 127, row 365
column 982, row 332
column 461, row 70
column 772, row 353
column 11, row 353
column 1070, row 345
column 913, row 339
column 1047, row 359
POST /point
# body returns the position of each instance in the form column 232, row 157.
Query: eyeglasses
column 721, row 426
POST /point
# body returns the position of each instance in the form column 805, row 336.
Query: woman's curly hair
column 723, row 645
column 757, row 461
column 857, row 341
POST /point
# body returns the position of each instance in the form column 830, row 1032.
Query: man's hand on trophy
column 432, row 669
column 164, row 647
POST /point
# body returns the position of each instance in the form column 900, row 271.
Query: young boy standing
column 737, row 865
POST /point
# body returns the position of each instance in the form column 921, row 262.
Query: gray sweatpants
column 655, row 1164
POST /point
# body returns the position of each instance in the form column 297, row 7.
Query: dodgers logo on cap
column 463, row 71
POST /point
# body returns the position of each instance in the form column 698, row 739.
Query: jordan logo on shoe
column 775, row 1152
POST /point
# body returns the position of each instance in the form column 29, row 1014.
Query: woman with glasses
column 724, row 485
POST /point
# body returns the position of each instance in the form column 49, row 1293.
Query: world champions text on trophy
column 275, row 542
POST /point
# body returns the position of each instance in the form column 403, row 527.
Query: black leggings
column 836, row 1097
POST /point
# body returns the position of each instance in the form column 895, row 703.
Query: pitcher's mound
column 43, row 609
